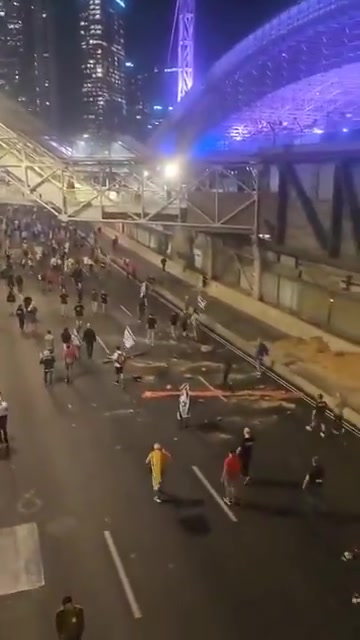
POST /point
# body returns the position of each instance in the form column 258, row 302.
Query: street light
column 171, row 170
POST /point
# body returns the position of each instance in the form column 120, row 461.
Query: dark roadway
column 80, row 449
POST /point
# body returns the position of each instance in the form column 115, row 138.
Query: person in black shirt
column 151, row 325
column 20, row 314
column 104, row 299
column 89, row 337
column 174, row 319
column 64, row 298
column 227, row 366
column 79, row 314
column 66, row 336
column 245, row 452
column 313, row 484
column 319, row 415
column 141, row 309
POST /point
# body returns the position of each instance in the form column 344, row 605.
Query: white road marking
column 214, row 494
column 118, row 412
column 209, row 386
column 20, row 559
column 126, row 310
column 134, row 606
column 103, row 345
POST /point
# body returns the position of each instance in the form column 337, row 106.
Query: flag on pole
column 184, row 402
column 201, row 302
column 129, row 338
column 143, row 290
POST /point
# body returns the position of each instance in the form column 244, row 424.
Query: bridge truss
column 135, row 191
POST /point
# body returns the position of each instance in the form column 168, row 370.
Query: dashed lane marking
column 103, row 345
column 120, row 570
column 209, row 386
column 126, row 310
column 214, row 494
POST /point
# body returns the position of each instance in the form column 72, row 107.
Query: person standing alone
column 4, row 413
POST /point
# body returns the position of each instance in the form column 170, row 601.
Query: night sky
column 220, row 25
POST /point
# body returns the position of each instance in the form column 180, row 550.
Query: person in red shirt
column 69, row 359
column 231, row 476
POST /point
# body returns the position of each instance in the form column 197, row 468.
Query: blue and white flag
column 184, row 402
column 129, row 338
column 201, row 302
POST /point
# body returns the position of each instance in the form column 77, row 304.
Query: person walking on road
column 49, row 341
column 104, row 299
column 158, row 460
column 20, row 314
column 76, row 343
column 47, row 360
column 4, row 414
column 19, row 280
column 11, row 300
column 313, row 485
column 79, row 314
column 227, row 367
column 319, row 415
column 66, row 337
column 64, row 299
column 163, row 263
column 69, row 360
column 151, row 325
column 119, row 360
column 174, row 319
column 231, row 477
column 94, row 301
column 141, row 309
column 245, row 453
column 261, row 352
column 89, row 337
column 70, row 620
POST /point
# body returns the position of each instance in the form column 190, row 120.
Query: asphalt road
column 77, row 470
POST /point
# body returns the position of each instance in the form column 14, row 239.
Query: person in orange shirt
column 231, row 476
column 158, row 460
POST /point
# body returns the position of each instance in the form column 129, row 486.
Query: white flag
column 143, row 290
column 201, row 302
column 129, row 338
column 184, row 402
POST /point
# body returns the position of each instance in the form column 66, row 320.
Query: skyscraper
column 102, row 64
column 44, row 73
column 27, row 59
column 12, row 48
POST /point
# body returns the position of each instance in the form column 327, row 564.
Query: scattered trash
column 350, row 555
column 168, row 387
column 356, row 598
column 205, row 348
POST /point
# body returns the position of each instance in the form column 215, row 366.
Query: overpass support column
column 256, row 288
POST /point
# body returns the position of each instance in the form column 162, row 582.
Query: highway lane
column 191, row 568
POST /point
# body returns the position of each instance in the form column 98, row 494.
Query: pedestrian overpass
column 130, row 187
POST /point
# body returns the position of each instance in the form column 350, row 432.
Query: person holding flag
column 119, row 359
column 183, row 413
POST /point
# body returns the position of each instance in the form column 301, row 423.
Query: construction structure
column 186, row 36
column 134, row 187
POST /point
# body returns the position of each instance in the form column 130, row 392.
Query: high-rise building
column 102, row 64
column 13, row 48
column 27, row 59
column 44, row 74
